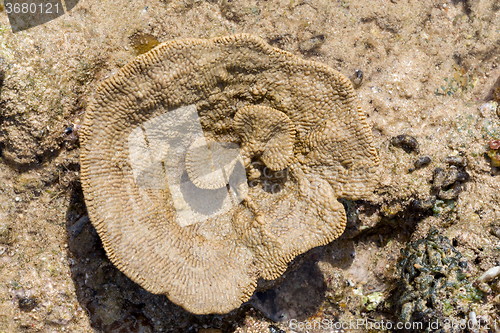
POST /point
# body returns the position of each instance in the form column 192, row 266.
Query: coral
column 209, row 165
column 177, row 234
column 265, row 132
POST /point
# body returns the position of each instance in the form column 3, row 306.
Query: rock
column 312, row 44
column 27, row 304
column 5, row 233
column 407, row 142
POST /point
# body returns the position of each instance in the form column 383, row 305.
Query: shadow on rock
column 298, row 294
column 113, row 301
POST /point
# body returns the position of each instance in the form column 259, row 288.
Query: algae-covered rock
column 433, row 291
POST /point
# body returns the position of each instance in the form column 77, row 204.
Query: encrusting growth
column 267, row 133
column 209, row 164
column 167, row 148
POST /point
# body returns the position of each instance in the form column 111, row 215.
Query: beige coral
column 267, row 132
column 200, row 245
column 210, row 164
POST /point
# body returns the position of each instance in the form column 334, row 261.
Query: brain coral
column 233, row 110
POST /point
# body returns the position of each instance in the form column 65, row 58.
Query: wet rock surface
column 430, row 70
column 433, row 287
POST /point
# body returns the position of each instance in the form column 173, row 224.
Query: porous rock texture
column 213, row 266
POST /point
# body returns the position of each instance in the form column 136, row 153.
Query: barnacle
column 165, row 153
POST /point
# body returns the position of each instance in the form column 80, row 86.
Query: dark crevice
column 466, row 6
column 113, row 301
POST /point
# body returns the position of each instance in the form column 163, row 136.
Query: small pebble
column 356, row 78
column 27, row 304
column 490, row 274
column 451, row 177
column 458, row 161
column 312, row 43
column 494, row 144
column 438, row 178
column 451, row 193
column 422, row 162
column 424, row 204
column 407, row 142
